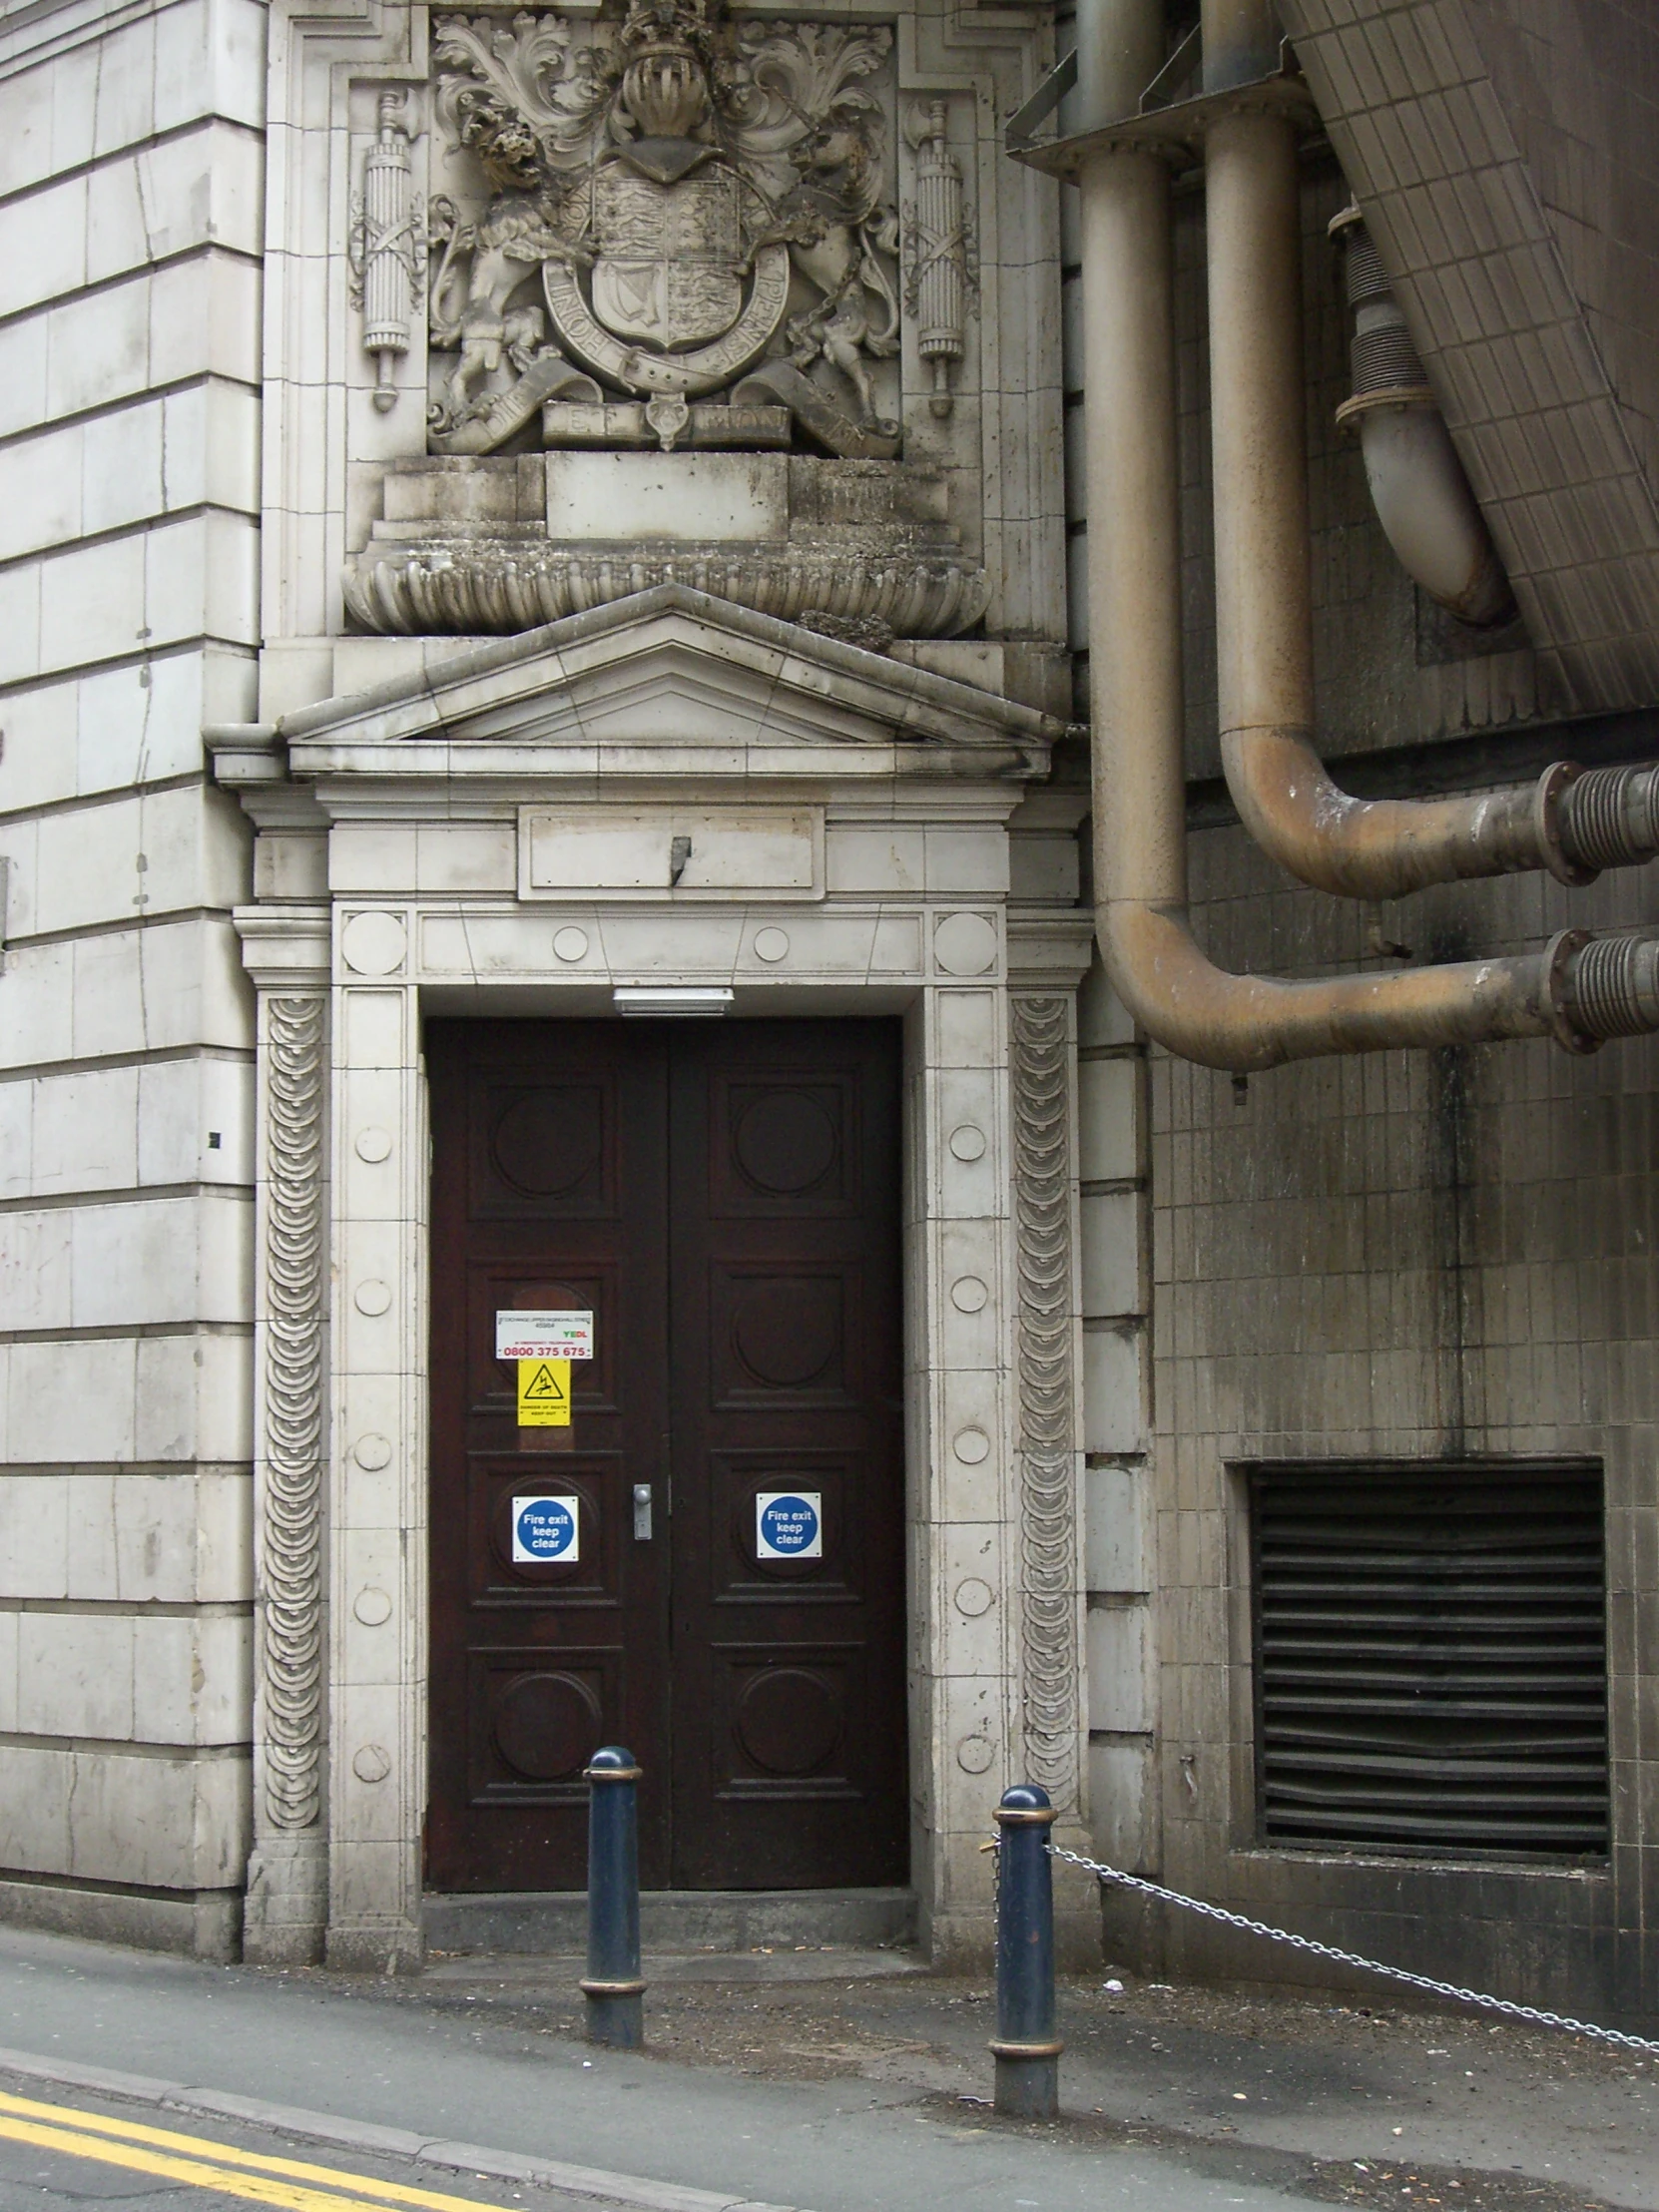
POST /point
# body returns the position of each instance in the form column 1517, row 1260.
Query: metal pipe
column 1576, row 990
column 1119, row 52
column 1354, row 848
column 1241, row 42
column 1429, row 512
column 1249, row 1023
column 1027, row 2045
column 1418, row 487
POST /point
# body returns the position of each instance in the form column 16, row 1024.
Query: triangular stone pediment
column 670, row 683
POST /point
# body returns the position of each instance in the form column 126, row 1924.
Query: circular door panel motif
column 546, row 1726
column 787, row 1333
column 784, row 1143
column 546, row 1142
column 789, row 1720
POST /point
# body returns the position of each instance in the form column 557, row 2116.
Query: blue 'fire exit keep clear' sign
column 788, row 1524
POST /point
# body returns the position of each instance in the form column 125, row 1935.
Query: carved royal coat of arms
column 710, row 209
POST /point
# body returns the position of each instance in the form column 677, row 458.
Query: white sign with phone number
column 544, row 1336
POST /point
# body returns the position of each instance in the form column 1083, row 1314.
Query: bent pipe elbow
column 1427, row 509
column 1572, row 821
column 1384, row 848
column 1579, row 990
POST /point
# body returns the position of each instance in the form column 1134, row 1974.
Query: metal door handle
column 642, row 1512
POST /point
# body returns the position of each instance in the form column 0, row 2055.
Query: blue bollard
column 1026, row 2047
column 612, row 1985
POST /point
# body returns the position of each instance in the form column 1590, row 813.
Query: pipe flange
column 1559, row 951
column 1546, row 825
column 1398, row 396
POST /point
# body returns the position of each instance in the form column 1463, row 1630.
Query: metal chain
column 1351, row 1959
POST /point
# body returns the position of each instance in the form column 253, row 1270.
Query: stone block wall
column 1119, row 1660
column 131, row 223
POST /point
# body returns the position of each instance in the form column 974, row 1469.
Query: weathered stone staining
column 829, row 543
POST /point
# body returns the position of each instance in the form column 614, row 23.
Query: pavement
column 818, row 2082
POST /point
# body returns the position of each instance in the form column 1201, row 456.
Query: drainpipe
column 1571, row 822
column 1578, row 991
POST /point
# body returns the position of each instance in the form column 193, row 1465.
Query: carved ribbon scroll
column 290, row 1532
column 1048, row 1443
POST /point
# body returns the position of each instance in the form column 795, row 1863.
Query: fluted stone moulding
column 489, row 590
column 1049, row 1659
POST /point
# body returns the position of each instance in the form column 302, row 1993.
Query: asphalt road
column 62, row 2149
column 291, row 2042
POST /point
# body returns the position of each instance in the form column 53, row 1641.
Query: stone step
column 680, row 1921
column 506, row 1974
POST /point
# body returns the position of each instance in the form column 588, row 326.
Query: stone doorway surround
column 482, row 836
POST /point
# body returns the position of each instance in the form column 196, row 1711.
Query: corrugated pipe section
column 1579, row 989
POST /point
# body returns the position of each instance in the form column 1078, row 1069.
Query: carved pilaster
column 286, row 1906
column 1045, row 1345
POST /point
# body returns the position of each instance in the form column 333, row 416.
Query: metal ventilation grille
column 1432, row 1656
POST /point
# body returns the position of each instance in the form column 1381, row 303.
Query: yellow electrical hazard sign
column 543, row 1393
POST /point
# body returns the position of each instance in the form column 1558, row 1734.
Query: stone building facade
column 545, row 663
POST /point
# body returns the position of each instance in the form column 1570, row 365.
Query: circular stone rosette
column 424, row 595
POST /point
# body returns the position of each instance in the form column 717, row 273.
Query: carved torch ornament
column 940, row 281
column 388, row 248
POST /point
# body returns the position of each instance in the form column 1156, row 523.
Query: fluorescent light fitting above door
column 680, row 999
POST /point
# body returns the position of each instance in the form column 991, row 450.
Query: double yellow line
column 203, row 2164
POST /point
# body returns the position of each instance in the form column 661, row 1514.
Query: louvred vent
column 1432, row 1656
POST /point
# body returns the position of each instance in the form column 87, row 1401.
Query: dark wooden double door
column 724, row 1197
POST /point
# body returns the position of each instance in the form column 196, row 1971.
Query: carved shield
column 670, row 261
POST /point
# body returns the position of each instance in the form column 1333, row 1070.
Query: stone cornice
column 1050, row 948
column 284, row 948
column 671, row 684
